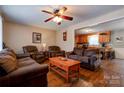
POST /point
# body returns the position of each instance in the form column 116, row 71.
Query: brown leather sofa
column 34, row 53
column 88, row 58
column 27, row 74
column 55, row 51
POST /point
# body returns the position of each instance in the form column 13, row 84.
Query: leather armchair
column 55, row 51
column 34, row 53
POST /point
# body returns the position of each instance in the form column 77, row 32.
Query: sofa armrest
column 69, row 53
column 22, row 55
column 93, row 59
column 36, row 55
column 63, row 52
column 50, row 53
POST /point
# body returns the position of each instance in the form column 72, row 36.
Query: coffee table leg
column 67, row 76
column 78, row 71
column 50, row 66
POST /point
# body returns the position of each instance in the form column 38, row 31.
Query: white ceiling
column 113, row 25
column 32, row 15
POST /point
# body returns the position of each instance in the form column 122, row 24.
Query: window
column 1, row 40
column 93, row 40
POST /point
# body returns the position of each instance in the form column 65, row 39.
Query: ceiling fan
column 57, row 15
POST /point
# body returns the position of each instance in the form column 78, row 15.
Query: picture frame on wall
column 119, row 39
column 36, row 37
column 64, row 36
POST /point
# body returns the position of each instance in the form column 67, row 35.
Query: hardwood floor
column 110, row 74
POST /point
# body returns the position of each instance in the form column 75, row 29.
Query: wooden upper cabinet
column 105, row 37
column 78, row 38
column 81, row 39
column 84, row 38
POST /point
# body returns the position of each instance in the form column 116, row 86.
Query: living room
column 53, row 48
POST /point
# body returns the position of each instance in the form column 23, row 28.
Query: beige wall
column 65, row 45
column 16, row 36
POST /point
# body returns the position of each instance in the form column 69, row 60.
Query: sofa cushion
column 75, row 57
column 25, row 61
column 24, row 73
column 78, row 51
column 79, row 58
column 39, row 56
column 83, row 59
column 89, row 53
column 7, row 63
column 30, row 49
column 54, row 48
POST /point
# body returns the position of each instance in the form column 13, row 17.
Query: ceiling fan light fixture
column 57, row 19
column 57, row 15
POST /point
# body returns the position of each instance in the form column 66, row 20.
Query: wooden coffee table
column 68, row 69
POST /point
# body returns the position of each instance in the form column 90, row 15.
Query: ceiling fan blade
column 59, row 23
column 67, row 17
column 61, row 11
column 47, row 12
column 64, row 8
column 48, row 19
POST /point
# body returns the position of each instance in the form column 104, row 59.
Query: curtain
column 1, row 34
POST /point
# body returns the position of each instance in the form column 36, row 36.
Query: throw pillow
column 10, row 56
column 9, row 52
column 78, row 51
column 7, row 63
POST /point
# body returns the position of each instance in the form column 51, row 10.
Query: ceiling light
column 88, row 30
column 57, row 19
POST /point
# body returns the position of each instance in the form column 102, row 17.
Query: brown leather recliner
column 55, row 51
column 34, row 53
